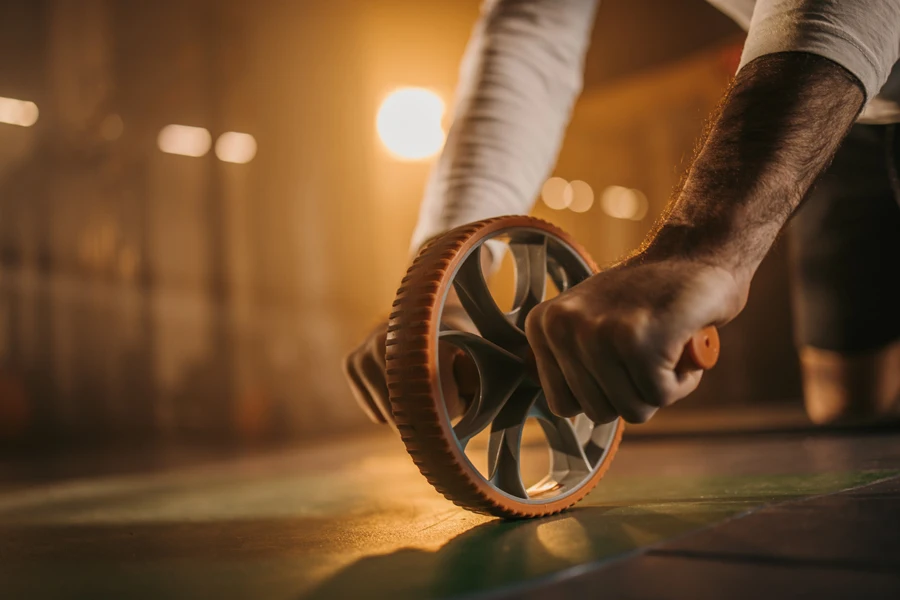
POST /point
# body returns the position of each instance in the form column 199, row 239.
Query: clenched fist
column 610, row 347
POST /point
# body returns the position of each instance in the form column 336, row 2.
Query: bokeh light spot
column 409, row 123
column 184, row 140
column 18, row 112
column 582, row 196
column 234, row 147
column 624, row 203
column 556, row 193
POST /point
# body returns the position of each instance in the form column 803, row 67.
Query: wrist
column 717, row 250
column 696, row 285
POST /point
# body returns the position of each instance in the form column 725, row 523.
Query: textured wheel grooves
column 413, row 382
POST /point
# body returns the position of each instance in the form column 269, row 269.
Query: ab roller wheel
column 507, row 392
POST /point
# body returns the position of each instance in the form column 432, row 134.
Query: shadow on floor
column 504, row 553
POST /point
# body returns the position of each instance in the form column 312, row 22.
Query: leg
column 845, row 255
column 841, row 387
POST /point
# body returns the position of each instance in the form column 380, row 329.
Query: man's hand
column 610, row 347
column 365, row 366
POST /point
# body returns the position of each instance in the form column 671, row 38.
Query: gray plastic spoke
column 565, row 269
column 499, row 373
column 600, row 439
column 478, row 303
column 567, row 454
column 593, row 451
column 481, row 349
column 504, row 447
column 558, row 276
column 584, row 428
column 531, row 277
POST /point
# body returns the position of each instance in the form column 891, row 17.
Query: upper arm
column 521, row 74
column 539, row 43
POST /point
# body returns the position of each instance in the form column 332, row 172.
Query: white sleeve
column 520, row 76
column 863, row 36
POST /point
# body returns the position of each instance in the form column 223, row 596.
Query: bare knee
column 840, row 387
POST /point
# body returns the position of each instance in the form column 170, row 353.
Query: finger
column 612, row 372
column 610, row 361
column 559, row 397
column 374, row 379
column 589, row 395
column 596, row 403
column 658, row 384
column 360, row 393
column 684, row 382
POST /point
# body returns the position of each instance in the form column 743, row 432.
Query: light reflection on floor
column 355, row 518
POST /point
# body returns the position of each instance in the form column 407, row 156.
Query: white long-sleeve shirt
column 523, row 68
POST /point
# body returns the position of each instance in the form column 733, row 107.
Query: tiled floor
column 687, row 517
column 841, row 545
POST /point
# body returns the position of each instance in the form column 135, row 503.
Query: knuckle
column 557, row 323
column 599, row 414
column 654, row 393
column 567, row 412
column 637, row 415
column 557, row 336
column 556, row 313
column 533, row 321
column 554, row 394
column 561, row 409
column 602, row 333
column 670, row 397
column 594, row 334
column 657, row 399
column 555, row 407
column 621, row 333
column 663, row 400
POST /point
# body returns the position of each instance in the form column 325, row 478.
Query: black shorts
column 845, row 247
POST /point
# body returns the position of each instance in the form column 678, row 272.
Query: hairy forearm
column 778, row 127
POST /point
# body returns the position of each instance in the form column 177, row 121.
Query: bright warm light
column 184, row 140
column 234, row 147
column 582, row 196
column 409, row 123
column 556, row 193
column 624, row 203
column 18, row 112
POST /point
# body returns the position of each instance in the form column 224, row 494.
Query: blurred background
column 204, row 204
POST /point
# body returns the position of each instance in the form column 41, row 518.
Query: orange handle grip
column 702, row 351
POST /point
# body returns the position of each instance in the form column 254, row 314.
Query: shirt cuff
column 790, row 32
